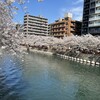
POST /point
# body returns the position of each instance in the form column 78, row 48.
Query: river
column 45, row 77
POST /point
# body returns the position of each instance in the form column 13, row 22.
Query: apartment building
column 65, row 27
column 35, row 25
column 91, row 17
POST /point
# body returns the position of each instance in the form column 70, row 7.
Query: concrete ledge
column 83, row 61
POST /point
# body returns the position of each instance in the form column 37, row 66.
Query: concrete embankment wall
column 79, row 60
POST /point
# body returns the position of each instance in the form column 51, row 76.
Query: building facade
column 35, row 25
column 65, row 27
column 91, row 17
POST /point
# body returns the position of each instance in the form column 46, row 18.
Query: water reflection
column 42, row 77
column 11, row 82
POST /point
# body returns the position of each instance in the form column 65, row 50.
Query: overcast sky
column 50, row 9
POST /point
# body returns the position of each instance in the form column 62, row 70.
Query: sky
column 50, row 9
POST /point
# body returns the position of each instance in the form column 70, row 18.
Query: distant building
column 65, row 27
column 91, row 17
column 35, row 25
column 20, row 27
column 49, row 29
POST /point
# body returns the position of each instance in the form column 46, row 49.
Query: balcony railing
column 95, row 24
column 97, row 4
column 94, row 18
column 97, row 11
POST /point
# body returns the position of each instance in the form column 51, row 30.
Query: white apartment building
column 35, row 25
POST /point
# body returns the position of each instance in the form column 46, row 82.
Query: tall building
column 35, row 25
column 65, row 27
column 91, row 17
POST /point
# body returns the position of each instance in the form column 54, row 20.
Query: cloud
column 78, row 1
column 76, row 9
column 77, row 13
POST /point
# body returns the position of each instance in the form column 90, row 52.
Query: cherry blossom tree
column 79, row 43
column 9, row 36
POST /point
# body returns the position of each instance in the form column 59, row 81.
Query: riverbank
column 82, row 58
column 42, row 52
column 83, row 47
column 36, row 51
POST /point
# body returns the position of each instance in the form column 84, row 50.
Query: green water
column 43, row 77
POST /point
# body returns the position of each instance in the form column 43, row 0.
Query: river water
column 43, row 77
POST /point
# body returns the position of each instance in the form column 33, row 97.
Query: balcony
column 58, row 31
column 60, row 26
column 72, row 30
column 97, row 4
column 94, row 18
column 97, row 11
column 37, row 18
column 94, row 24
